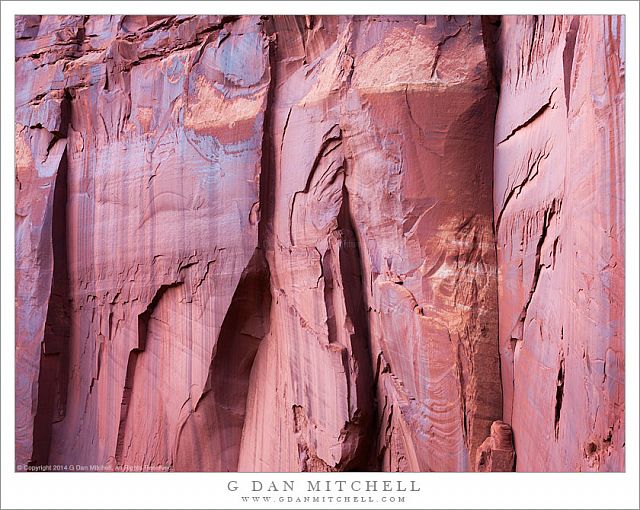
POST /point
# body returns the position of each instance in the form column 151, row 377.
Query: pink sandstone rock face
column 282, row 243
column 559, row 209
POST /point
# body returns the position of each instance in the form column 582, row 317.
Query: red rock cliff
column 283, row 243
column 559, row 209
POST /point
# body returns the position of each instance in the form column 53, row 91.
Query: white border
column 205, row 490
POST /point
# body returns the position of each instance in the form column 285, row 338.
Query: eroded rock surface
column 559, row 208
column 267, row 243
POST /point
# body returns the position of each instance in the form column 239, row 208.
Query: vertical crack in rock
column 284, row 133
column 363, row 425
column 463, row 390
column 559, row 397
column 567, row 57
column 267, row 160
column 549, row 213
column 534, row 39
column 439, row 47
column 52, row 379
column 490, row 36
column 497, row 452
column 328, row 297
column 355, row 284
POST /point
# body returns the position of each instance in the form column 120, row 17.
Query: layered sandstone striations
column 267, row 243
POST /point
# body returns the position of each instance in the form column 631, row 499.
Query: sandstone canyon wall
column 559, row 209
column 281, row 243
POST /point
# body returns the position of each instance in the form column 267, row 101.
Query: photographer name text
column 258, row 486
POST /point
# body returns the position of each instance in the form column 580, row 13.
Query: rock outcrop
column 281, row 243
column 496, row 453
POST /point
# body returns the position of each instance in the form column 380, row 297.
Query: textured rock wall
column 267, row 243
column 419, row 191
column 370, row 172
column 559, row 208
column 162, row 227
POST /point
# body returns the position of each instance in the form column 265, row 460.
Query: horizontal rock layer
column 283, row 244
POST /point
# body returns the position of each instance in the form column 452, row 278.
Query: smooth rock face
column 267, row 243
column 559, row 209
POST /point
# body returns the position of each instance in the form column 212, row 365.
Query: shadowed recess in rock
column 209, row 437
